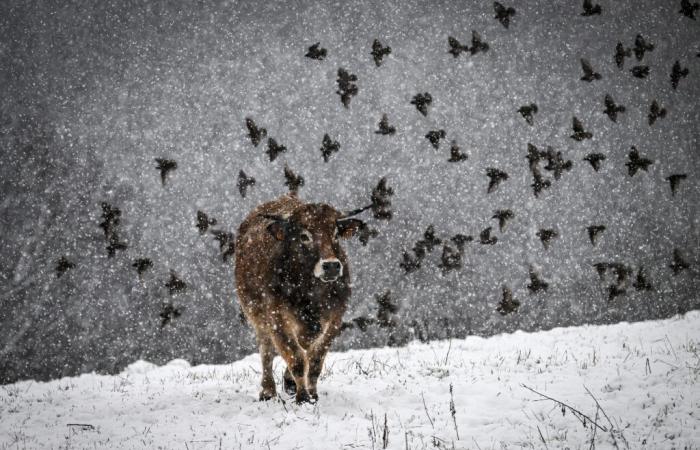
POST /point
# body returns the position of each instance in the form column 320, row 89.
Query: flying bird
column 62, row 266
column 292, row 180
column 387, row 307
column 595, row 159
column 410, row 263
column 601, row 268
column 533, row 156
column 142, row 265
column 378, row 52
column 503, row 14
column 679, row 263
column 422, row 101
column 175, row 284
column 346, row 86
column 589, row 9
column 451, row 259
column 365, row 233
column 316, row 53
column 227, row 243
column 165, row 166
column 114, row 245
column 328, row 147
column 546, row 235
column 486, row 238
column 204, row 222
column 255, row 133
column 435, row 136
column 614, row 291
column 456, row 47
column 244, row 182
column 677, row 73
column 527, row 112
column 640, row 71
column 455, row 154
column 620, row 54
column 594, row 231
column 637, row 162
column 495, row 178
column 428, row 242
column 540, row 183
column 168, row 313
column 588, row 73
column 611, row 109
column 656, row 112
column 503, row 216
column 274, row 149
column 478, row 45
column 381, row 200
column 536, row 283
column 675, row 180
column 384, row 127
column 579, row 133
column 507, row 304
column 641, row 283
column 111, row 219
column 688, row 9
column 641, row 46
column 557, row 164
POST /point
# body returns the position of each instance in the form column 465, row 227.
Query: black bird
column 622, row 272
column 675, row 180
column 579, row 133
column 142, row 265
column 677, row 73
column 203, row 222
column 495, row 176
column 456, row 47
column 428, row 242
column 255, row 133
column 455, row 154
column 346, row 86
column 589, row 9
column 435, row 136
column 460, row 240
column 365, row 233
column 274, row 149
column 175, row 284
column 620, row 54
column 165, row 166
column 503, row 14
column 422, row 101
column 640, row 71
column 656, row 112
column 244, row 182
column 114, row 245
column 641, row 46
column 381, row 201
column 641, row 283
column 540, row 183
column 557, row 164
column 588, row 73
column 410, row 263
column 615, row 290
column 595, row 159
column 601, row 268
column 527, row 112
column 507, row 304
column 546, row 235
column 533, row 156
column 387, row 307
column 451, row 259
column 478, row 46
column 111, row 219
column 536, row 283
column 594, row 231
column 611, row 109
column 637, row 162
column 328, row 147
column 227, row 243
column 379, row 52
column 688, row 9
column 292, row 180
column 316, row 53
column 384, row 127
column 503, row 216
column 168, row 313
column 486, row 238
column 62, row 266
column 678, row 263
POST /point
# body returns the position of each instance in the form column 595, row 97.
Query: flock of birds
column 620, row 277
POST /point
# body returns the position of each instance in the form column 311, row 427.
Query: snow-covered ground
column 643, row 375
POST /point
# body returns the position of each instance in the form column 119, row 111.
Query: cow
column 293, row 285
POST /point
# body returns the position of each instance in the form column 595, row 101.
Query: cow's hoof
column 266, row 395
column 304, row 397
column 314, row 397
column 290, row 387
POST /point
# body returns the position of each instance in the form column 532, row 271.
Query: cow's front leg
column 317, row 353
column 295, row 357
column 267, row 355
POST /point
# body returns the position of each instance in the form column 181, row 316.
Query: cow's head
column 311, row 238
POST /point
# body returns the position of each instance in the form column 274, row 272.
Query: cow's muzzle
column 328, row 270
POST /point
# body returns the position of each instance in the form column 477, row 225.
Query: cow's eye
column 305, row 237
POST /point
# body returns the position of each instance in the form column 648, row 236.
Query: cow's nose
column 331, row 269
column 328, row 269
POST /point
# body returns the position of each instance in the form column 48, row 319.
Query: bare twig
column 612, row 426
column 426, row 412
column 83, row 426
column 542, row 437
column 385, row 434
column 578, row 414
column 449, row 347
column 453, row 411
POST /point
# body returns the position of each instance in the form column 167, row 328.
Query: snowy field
column 643, row 376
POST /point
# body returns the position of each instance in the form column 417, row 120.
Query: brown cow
column 293, row 285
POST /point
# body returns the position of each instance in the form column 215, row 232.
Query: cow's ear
column 278, row 227
column 348, row 227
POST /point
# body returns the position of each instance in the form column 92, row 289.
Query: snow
column 644, row 376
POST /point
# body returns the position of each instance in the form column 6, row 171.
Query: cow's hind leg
column 267, row 355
